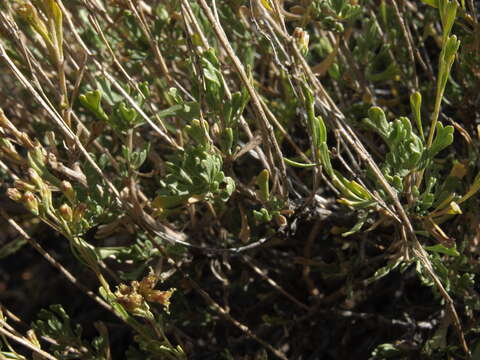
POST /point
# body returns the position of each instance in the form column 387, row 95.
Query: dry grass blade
column 266, row 128
column 24, row 342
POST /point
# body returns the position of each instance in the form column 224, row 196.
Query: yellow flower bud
column 31, row 202
column 302, row 39
column 79, row 212
column 14, row 194
column 36, row 179
column 22, row 185
column 68, row 191
column 66, row 212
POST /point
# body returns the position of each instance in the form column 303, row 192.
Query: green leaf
column 211, row 74
column 350, row 188
column 443, row 138
column 320, row 130
column 262, row 216
column 389, row 73
column 416, row 105
column 451, row 47
column 174, row 95
column 448, row 12
column 384, row 271
column 298, row 164
column 187, row 111
column 433, row 3
column 325, row 159
column 229, row 189
column 378, row 121
column 198, row 131
column 358, row 190
column 362, row 218
column 227, row 140
column 58, row 20
column 55, row 323
column 238, row 103
column 386, row 351
column 194, row 174
column 441, row 249
column 92, row 101
column 144, row 89
column 135, row 159
column 472, row 190
column 168, row 201
column 316, row 123
column 128, row 114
